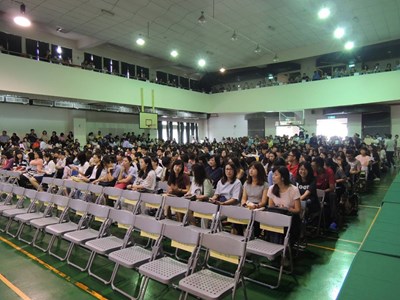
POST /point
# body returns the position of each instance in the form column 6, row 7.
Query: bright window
column 287, row 130
column 332, row 127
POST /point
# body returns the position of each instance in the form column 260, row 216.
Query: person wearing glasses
column 229, row 188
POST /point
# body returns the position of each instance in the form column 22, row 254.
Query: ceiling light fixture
column 22, row 20
column 276, row 58
column 258, row 49
column 202, row 18
column 140, row 41
column 349, row 45
column 234, row 36
column 201, row 62
column 324, row 13
column 339, row 32
column 174, row 53
column 222, row 69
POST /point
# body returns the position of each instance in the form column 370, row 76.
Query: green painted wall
column 32, row 77
column 371, row 88
column 40, row 78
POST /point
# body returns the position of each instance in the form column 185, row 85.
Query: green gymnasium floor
column 28, row 273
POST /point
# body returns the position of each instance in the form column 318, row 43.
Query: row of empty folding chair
column 9, row 176
column 72, row 220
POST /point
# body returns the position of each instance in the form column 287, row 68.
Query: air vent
column 78, row 105
column 18, row 100
column 46, row 103
column 112, row 108
column 126, row 109
column 64, row 104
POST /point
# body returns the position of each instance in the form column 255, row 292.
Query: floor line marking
column 370, row 227
column 331, row 249
column 343, row 240
column 16, row 290
column 369, row 206
column 54, row 270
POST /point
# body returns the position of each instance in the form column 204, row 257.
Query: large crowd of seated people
column 257, row 173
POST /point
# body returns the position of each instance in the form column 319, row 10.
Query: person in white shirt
column 390, row 144
column 229, row 188
column 146, row 179
column 283, row 194
column 156, row 167
column 49, row 168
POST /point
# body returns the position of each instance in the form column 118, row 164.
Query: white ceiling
column 288, row 28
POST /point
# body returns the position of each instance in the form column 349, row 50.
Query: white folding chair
column 135, row 256
column 167, row 269
column 129, row 200
column 110, row 194
column 46, row 184
column 98, row 214
column 103, row 246
column 208, row 284
column 80, row 191
column 6, row 193
column 77, row 218
column 178, row 205
column 151, row 202
column 42, row 209
column 95, row 193
column 12, row 212
column 207, row 213
column 278, row 225
column 58, row 214
column 240, row 216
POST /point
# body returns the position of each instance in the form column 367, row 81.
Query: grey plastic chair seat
column 25, row 218
column 105, row 245
column 207, row 284
column 264, row 248
column 13, row 212
column 81, row 236
column 130, row 257
column 199, row 229
column 43, row 222
column 164, row 269
column 232, row 236
column 171, row 222
column 7, row 207
column 59, row 229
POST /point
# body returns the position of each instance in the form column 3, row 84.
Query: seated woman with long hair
column 127, row 174
column 286, row 196
column 93, row 172
column 283, row 194
column 109, row 173
column 178, row 181
column 80, row 168
column 255, row 192
column 20, row 163
column 146, row 180
column 241, row 172
column 7, row 160
column 256, row 188
column 49, row 169
column 229, row 188
column 156, row 167
column 305, row 181
column 178, row 185
column 201, row 188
